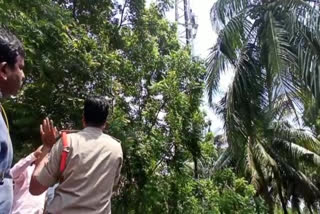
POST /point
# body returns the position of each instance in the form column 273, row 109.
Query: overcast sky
column 205, row 39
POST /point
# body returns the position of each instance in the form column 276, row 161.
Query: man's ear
column 3, row 70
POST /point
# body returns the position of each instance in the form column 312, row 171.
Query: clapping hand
column 48, row 133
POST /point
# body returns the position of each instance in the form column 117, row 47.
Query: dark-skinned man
column 92, row 168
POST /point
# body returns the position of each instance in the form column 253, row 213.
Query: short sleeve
column 118, row 171
column 117, row 175
column 50, row 173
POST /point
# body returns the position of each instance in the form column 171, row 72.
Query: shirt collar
column 93, row 129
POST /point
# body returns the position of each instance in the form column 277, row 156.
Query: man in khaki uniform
column 92, row 168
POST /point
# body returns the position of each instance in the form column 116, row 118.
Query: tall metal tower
column 187, row 22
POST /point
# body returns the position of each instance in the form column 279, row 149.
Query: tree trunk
column 195, row 161
column 269, row 201
column 283, row 203
column 310, row 209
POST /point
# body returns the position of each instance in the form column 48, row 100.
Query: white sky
column 205, row 39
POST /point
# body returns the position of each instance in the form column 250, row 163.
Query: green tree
column 80, row 48
column 271, row 45
column 63, row 65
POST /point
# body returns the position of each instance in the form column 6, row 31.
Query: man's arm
column 117, row 177
column 18, row 169
column 35, row 187
column 45, row 172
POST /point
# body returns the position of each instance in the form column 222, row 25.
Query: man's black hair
column 10, row 47
column 95, row 111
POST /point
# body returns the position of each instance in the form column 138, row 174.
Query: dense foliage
column 273, row 48
column 131, row 55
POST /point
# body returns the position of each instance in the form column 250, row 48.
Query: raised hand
column 48, row 133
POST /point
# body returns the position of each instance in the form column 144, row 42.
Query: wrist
column 46, row 148
column 32, row 157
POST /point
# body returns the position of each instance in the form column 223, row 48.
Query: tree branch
column 122, row 13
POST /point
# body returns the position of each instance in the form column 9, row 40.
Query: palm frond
column 297, row 136
column 223, row 160
column 288, row 96
column 295, row 202
column 304, row 187
column 224, row 10
column 271, row 42
column 299, row 6
column 216, row 64
column 230, row 38
column 264, row 157
column 306, row 35
column 274, row 48
column 309, row 64
column 245, row 74
column 257, row 171
column 296, row 154
column 224, row 53
column 257, row 177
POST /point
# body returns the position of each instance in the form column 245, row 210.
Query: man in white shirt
column 23, row 201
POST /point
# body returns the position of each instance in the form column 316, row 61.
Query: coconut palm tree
column 273, row 48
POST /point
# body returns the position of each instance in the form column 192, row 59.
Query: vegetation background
column 172, row 162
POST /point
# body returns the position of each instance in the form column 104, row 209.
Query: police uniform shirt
column 92, row 169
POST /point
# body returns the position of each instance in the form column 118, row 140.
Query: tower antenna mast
column 186, row 21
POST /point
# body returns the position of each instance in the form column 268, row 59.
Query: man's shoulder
column 112, row 142
column 113, row 138
column 106, row 137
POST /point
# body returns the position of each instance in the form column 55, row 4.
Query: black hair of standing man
column 95, row 111
column 11, row 63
